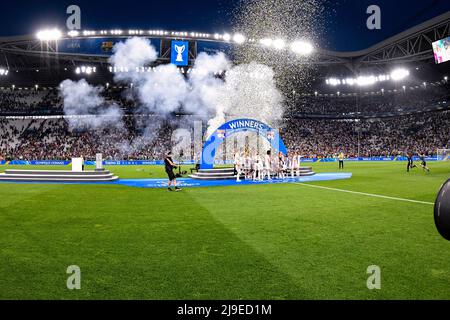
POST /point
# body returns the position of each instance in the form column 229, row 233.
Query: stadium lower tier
column 56, row 176
column 141, row 138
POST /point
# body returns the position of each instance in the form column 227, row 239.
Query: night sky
column 345, row 20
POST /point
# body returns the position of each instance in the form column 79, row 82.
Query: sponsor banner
column 95, row 46
column 309, row 160
column 39, row 163
column 418, row 159
column 137, row 163
column 2, row 162
column 211, row 48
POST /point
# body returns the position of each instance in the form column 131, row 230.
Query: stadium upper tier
column 432, row 97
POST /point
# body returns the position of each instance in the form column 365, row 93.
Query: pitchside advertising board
column 190, row 162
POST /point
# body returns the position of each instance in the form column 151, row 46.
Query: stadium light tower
column 49, row 35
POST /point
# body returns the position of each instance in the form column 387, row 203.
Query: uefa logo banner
column 180, row 53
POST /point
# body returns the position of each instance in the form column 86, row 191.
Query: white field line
column 365, row 194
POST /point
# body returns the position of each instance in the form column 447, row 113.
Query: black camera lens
column 442, row 211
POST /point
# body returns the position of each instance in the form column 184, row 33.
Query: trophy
column 180, row 50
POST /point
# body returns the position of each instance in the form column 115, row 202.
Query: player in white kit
column 293, row 164
column 281, row 165
column 238, row 166
column 258, row 169
column 248, row 166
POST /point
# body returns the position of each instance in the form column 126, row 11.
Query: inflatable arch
column 232, row 127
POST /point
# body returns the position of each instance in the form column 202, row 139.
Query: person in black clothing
column 411, row 164
column 170, row 166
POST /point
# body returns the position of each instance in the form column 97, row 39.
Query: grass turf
column 247, row 242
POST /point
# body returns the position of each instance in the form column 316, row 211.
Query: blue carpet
column 191, row 183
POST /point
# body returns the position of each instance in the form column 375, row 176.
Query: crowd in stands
column 50, row 139
column 418, row 133
column 29, row 101
column 54, row 139
column 410, row 99
column 370, row 103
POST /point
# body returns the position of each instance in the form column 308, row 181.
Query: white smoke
column 85, row 107
column 247, row 90
column 132, row 54
column 164, row 90
column 206, row 93
column 160, row 91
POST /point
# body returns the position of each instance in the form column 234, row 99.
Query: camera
column 442, row 211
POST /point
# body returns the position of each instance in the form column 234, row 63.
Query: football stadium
column 250, row 164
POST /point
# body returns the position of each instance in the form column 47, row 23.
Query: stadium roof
column 29, row 54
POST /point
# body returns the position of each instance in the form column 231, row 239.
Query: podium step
column 57, row 176
column 229, row 174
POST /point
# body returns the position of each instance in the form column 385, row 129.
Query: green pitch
column 250, row 242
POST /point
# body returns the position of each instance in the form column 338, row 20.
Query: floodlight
column 226, row 37
column 279, row 44
column 399, row 74
column 366, row 80
column 49, row 35
column 73, row 33
column 301, row 47
column 266, row 42
column 239, row 38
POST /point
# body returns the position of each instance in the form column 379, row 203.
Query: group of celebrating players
column 253, row 166
column 257, row 168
